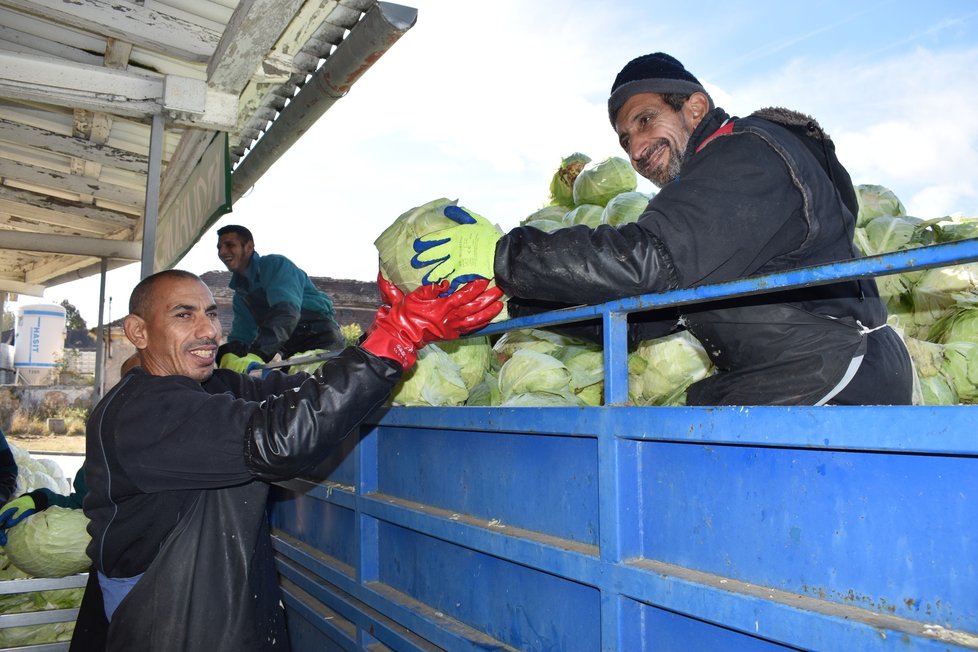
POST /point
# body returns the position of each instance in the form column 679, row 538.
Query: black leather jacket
column 752, row 198
column 178, row 472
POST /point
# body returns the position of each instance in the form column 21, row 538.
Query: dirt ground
column 49, row 443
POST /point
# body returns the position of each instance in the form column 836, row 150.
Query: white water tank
column 39, row 343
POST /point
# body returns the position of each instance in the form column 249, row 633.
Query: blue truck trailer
column 643, row 528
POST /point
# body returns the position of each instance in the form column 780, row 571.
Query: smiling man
column 277, row 309
column 179, row 456
column 739, row 197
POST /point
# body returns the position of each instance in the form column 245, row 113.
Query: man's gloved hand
column 404, row 324
column 460, row 253
column 13, row 513
column 241, row 364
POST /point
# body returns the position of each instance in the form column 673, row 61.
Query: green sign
column 203, row 199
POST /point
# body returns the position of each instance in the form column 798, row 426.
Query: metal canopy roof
column 88, row 87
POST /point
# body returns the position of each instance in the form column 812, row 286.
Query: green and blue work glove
column 460, row 253
column 13, row 513
column 242, row 364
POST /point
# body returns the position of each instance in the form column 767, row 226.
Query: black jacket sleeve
column 171, row 433
column 296, row 430
column 579, row 265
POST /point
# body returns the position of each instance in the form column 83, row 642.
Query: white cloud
column 904, row 122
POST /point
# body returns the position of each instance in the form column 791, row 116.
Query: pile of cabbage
column 539, row 368
column 47, row 544
column 936, row 310
column 584, row 192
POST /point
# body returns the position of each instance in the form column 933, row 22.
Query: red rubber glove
column 404, row 324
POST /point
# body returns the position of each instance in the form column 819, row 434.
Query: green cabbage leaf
column 624, row 208
column 598, row 184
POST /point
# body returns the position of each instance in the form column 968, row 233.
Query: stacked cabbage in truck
column 935, row 310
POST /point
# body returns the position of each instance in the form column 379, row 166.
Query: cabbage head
column 936, row 390
column 598, row 184
column 876, row 200
column 484, row 393
column 624, row 208
column 895, row 291
column 395, row 245
column 889, row 233
column 586, row 366
column 586, row 214
column 473, row 355
column 592, row 395
column 435, row 380
column 547, row 226
column 672, row 364
column 532, row 372
column 50, row 543
column 562, row 183
column 548, row 218
column 961, row 369
column 535, row 339
column 554, row 213
column 939, row 290
column 960, row 324
column 954, row 228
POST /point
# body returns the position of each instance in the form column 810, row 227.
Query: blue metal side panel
column 512, row 603
column 540, row 483
column 319, row 509
column 323, row 525
column 810, row 528
column 889, row 533
column 340, row 467
column 304, row 635
column 649, row 629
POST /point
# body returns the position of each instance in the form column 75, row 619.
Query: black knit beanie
column 651, row 73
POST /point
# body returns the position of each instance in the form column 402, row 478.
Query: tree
column 73, row 318
column 6, row 317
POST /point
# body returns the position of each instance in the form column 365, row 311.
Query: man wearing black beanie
column 739, row 197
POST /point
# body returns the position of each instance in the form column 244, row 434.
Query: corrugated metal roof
column 81, row 81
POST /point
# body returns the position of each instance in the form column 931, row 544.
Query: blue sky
column 480, row 101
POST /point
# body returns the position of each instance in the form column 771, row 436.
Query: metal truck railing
column 43, row 616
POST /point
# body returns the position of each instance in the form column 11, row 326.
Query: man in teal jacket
column 277, row 309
